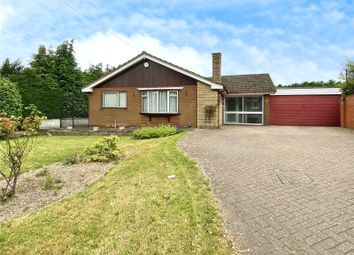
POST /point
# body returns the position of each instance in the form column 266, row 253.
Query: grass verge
column 135, row 209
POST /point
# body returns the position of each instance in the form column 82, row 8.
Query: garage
column 306, row 107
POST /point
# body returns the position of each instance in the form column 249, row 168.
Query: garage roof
column 308, row 91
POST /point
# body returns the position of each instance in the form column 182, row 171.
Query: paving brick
column 288, row 190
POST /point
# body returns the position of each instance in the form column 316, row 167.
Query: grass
column 134, row 209
column 52, row 149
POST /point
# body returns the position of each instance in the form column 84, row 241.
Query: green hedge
column 154, row 132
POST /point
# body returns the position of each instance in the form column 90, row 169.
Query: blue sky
column 294, row 41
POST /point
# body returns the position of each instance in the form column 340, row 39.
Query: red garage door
column 305, row 110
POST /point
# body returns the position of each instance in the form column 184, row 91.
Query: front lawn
column 52, row 149
column 135, row 209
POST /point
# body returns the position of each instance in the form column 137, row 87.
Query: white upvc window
column 159, row 101
column 114, row 99
column 244, row 110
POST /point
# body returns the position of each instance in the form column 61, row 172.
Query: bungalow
column 148, row 90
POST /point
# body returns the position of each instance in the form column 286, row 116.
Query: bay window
column 159, row 101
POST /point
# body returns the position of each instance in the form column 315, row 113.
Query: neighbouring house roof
column 308, row 91
column 145, row 55
column 248, row 83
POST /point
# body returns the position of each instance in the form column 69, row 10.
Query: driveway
column 282, row 190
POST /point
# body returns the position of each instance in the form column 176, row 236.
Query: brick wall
column 347, row 111
column 131, row 116
column 207, row 97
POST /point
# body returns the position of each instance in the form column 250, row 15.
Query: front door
column 244, row 110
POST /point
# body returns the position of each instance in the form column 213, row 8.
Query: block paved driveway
column 282, row 190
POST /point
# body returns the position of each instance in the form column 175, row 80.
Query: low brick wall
column 347, row 111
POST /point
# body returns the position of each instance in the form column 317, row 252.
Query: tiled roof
column 248, row 83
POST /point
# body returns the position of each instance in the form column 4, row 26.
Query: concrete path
column 283, row 190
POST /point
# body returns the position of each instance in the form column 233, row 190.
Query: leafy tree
column 348, row 77
column 9, row 69
column 68, row 76
column 41, row 90
column 53, row 80
column 10, row 98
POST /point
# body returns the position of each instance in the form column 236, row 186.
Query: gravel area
column 31, row 195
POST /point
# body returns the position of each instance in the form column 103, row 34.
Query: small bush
column 154, row 132
column 74, row 159
column 104, row 150
column 51, row 183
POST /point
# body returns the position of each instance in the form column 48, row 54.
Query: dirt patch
column 49, row 184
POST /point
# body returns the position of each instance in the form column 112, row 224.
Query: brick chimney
column 216, row 65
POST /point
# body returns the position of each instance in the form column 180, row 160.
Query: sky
column 294, row 41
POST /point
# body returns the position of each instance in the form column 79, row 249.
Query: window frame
column 243, row 112
column 146, row 94
column 118, row 99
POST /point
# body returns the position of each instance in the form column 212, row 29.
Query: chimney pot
column 216, row 66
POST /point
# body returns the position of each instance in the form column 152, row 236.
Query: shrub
column 10, row 98
column 51, row 183
column 74, row 159
column 154, row 132
column 104, row 150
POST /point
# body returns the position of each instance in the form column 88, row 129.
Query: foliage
column 209, row 111
column 154, row 132
column 313, row 84
column 348, row 77
column 9, row 69
column 34, row 118
column 51, row 183
column 104, row 150
column 134, row 209
column 14, row 150
column 53, row 80
column 10, row 98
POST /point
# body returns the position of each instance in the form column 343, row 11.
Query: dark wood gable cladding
column 155, row 75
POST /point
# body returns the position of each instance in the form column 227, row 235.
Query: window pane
column 253, row 118
column 110, row 100
column 233, row 104
column 162, row 101
column 173, row 104
column 122, row 99
column 234, row 118
column 152, row 101
column 145, row 104
column 253, row 104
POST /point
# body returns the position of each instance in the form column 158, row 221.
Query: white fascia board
column 142, row 57
column 310, row 91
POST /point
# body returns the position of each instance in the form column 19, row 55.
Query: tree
column 348, row 77
column 53, row 80
column 9, row 69
column 10, row 98
column 68, row 76
column 313, row 84
column 15, row 149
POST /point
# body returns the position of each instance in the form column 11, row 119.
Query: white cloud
column 5, row 12
column 113, row 48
